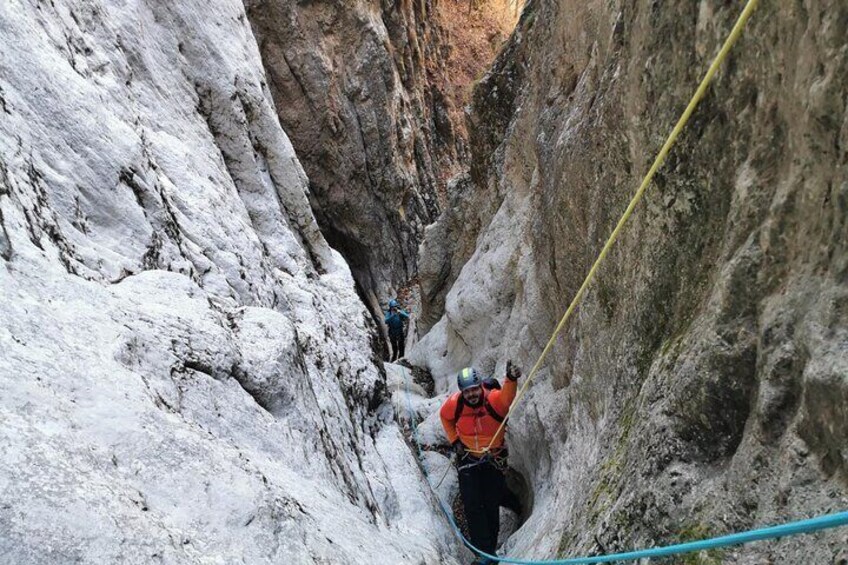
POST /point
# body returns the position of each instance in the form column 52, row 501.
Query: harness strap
column 492, row 412
column 460, row 405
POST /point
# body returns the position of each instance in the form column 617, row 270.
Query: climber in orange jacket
column 471, row 418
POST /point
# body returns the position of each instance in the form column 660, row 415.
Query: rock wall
column 187, row 373
column 701, row 387
column 353, row 82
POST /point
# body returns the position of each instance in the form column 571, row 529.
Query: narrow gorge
column 205, row 208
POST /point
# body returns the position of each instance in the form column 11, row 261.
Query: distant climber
column 396, row 318
column 471, row 418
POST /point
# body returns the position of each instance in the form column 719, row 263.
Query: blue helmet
column 468, row 378
column 393, row 303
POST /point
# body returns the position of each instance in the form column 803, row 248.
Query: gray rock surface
column 701, row 387
column 187, row 373
column 445, row 249
column 354, row 86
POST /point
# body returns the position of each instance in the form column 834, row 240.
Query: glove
column 458, row 450
column 513, row 373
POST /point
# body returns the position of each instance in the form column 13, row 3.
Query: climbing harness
column 789, row 529
column 476, row 463
column 497, row 459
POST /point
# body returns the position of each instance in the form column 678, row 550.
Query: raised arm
column 502, row 399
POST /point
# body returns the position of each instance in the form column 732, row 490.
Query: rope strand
column 735, row 33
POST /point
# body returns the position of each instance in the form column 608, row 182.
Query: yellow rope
column 681, row 123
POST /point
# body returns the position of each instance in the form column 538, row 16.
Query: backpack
column 491, row 383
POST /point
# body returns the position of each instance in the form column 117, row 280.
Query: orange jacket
column 475, row 427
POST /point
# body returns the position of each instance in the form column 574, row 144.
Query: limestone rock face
column 353, row 82
column 445, row 249
column 701, row 387
column 187, row 373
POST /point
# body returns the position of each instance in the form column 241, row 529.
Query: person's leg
column 401, row 345
column 473, row 498
column 508, row 498
column 492, row 481
column 395, row 347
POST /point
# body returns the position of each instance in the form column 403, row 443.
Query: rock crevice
column 355, row 90
column 688, row 392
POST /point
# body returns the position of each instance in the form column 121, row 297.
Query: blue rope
column 790, row 529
